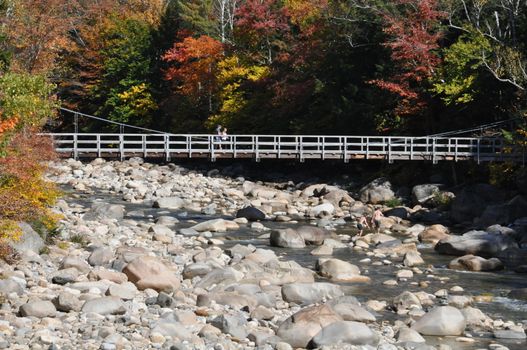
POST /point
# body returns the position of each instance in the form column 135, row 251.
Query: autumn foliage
column 413, row 40
column 26, row 102
column 195, row 62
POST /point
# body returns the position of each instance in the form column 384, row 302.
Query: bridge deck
column 299, row 147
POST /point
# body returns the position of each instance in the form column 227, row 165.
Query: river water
column 487, row 284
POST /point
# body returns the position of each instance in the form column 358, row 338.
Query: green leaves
column 124, row 89
column 455, row 80
column 28, row 97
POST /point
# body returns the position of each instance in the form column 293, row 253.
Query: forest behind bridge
column 273, row 66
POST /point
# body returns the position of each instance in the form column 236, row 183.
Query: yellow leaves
column 139, row 99
column 232, row 70
column 232, row 75
column 9, row 230
column 302, row 12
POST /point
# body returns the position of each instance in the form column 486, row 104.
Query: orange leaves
column 24, row 195
column 37, row 30
column 195, row 62
column 8, row 125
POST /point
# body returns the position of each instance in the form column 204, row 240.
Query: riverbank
column 153, row 256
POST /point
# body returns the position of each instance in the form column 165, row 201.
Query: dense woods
column 267, row 66
column 255, row 66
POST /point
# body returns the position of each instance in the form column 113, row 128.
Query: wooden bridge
column 301, row 147
column 148, row 143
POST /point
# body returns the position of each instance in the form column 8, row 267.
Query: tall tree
column 414, row 32
column 37, row 30
column 194, row 67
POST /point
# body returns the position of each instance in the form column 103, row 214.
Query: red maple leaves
column 414, row 34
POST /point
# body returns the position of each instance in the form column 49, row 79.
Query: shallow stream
column 488, row 284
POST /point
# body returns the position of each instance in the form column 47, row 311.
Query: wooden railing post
column 434, row 161
column 75, row 147
column 279, row 146
column 188, row 142
column 99, row 145
column 301, row 148
column 121, row 146
column 234, row 145
column 345, row 145
column 478, row 150
column 143, row 141
column 257, row 148
column 166, row 139
column 323, row 147
column 389, row 145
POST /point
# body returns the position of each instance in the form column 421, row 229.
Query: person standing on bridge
column 224, row 136
column 219, row 133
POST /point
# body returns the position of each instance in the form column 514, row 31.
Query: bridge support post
column 389, row 145
column 75, row 147
column 478, row 150
column 256, row 149
column 434, row 160
column 345, row 145
column 301, row 149
column 121, row 147
column 167, row 147
column 189, row 145
column 143, row 139
column 211, row 149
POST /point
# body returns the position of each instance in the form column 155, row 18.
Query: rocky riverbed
column 157, row 256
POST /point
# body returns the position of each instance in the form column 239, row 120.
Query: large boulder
column 479, row 243
column 67, row 302
column 340, row 271
column 405, row 301
column 321, row 210
column 337, row 197
column 251, row 214
column 29, row 240
column 148, row 272
column 215, row 225
column 520, row 294
column 345, row 332
column 377, row 191
column 433, row 234
column 353, row 312
column 100, row 256
column 441, row 321
column 475, row 263
column 101, row 211
column 513, row 257
column 399, row 212
column 287, row 238
column 423, row 194
column 309, row 293
column 231, row 324
column 472, row 201
column 104, row 306
column 313, row 235
column 300, row 328
column 318, row 190
column 503, row 213
column 40, row 309
column 169, row 203
column 9, row 285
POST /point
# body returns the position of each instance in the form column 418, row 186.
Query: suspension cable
column 112, row 122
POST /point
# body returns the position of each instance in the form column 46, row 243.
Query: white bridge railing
column 299, row 147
